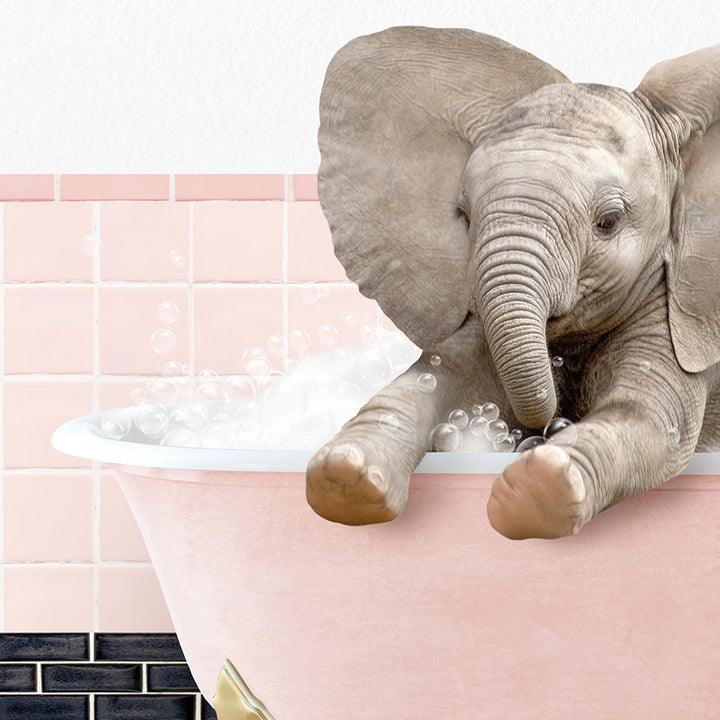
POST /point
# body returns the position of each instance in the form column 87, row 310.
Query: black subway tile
column 44, row 646
column 92, row 678
column 170, row 677
column 17, row 678
column 207, row 712
column 148, row 647
column 42, row 707
column 144, row 707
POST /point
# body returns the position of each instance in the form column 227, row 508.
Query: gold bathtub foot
column 233, row 700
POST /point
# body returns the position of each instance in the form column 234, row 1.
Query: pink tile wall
column 86, row 261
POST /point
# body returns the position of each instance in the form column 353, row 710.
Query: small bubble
column 138, row 396
column 569, row 435
column 504, row 443
column 351, row 320
column 239, row 387
column 153, row 421
column 673, row 435
column 91, row 245
column 160, row 392
column 389, row 422
column 367, row 335
column 495, row 428
column 458, row 418
column 163, row 341
column 374, row 370
column 299, row 340
column 426, row 383
column 477, row 409
column 327, row 335
column 168, row 312
column 343, row 359
column 557, row 361
column 174, row 368
column 209, row 386
column 541, row 393
column 517, row 434
column 489, row 412
column 445, row 438
column 645, row 365
column 323, row 292
column 276, row 346
column 177, row 258
column 116, row 424
column 477, row 426
column 530, row 442
column 309, row 293
column 180, row 437
column 435, row 360
column 256, row 362
column 194, row 416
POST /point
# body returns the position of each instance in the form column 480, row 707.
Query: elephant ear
column 686, row 93
column 399, row 113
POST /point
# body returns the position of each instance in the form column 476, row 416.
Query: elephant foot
column 540, row 495
column 342, row 486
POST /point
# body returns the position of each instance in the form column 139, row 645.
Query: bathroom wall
column 234, row 253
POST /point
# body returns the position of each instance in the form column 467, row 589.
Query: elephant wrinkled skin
column 502, row 215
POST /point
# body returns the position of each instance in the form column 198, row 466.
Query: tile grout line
column 2, row 412
column 191, row 292
column 285, row 269
column 97, row 233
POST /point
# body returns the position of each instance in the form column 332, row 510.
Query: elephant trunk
column 514, row 301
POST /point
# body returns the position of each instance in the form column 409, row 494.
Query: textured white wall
column 232, row 86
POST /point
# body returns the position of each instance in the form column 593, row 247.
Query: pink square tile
column 305, row 187
column 44, row 241
column 27, row 187
column 32, row 411
column 48, row 329
column 48, row 517
column 229, row 320
column 131, row 329
column 120, row 537
column 342, row 307
column 238, row 241
column 310, row 248
column 131, row 601
column 229, row 187
column 48, row 599
column 141, row 239
column 115, row 187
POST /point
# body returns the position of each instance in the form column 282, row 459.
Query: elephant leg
column 642, row 417
column 362, row 475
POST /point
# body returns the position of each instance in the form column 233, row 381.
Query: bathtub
column 431, row 615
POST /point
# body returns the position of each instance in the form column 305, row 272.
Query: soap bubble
column 673, row 435
column 209, row 386
column 477, row 426
column 174, row 368
column 367, row 335
column 557, row 361
column 256, row 362
column 309, row 293
column 239, row 387
column 389, row 422
column 351, row 320
column 343, row 359
column 177, row 258
column 374, row 371
column 517, row 434
column 495, row 428
column 194, row 416
column 163, row 341
column 569, row 436
column 181, row 437
column 488, row 411
column 299, row 340
column 285, row 399
column 248, row 413
column 458, row 418
column 160, row 392
column 138, row 395
column 645, row 365
column 276, row 346
column 152, row 421
column 168, row 312
column 435, row 360
column 91, row 245
column 116, row 424
column 504, row 443
column 530, row 442
column 327, row 335
column 426, row 383
column 445, row 438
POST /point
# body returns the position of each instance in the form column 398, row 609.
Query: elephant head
column 462, row 175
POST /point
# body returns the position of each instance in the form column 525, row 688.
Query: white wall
column 232, row 86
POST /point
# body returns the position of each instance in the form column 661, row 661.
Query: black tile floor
column 62, row 676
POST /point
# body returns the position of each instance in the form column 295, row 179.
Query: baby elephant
column 501, row 216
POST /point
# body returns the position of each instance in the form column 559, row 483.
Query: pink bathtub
column 434, row 614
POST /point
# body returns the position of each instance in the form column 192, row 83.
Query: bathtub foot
column 343, row 487
column 233, row 699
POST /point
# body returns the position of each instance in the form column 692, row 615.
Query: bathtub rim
column 72, row 438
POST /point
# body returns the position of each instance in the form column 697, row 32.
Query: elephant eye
column 608, row 221
column 463, row 210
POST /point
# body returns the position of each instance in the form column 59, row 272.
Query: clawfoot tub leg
column 627, row 444
column 362, row 475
